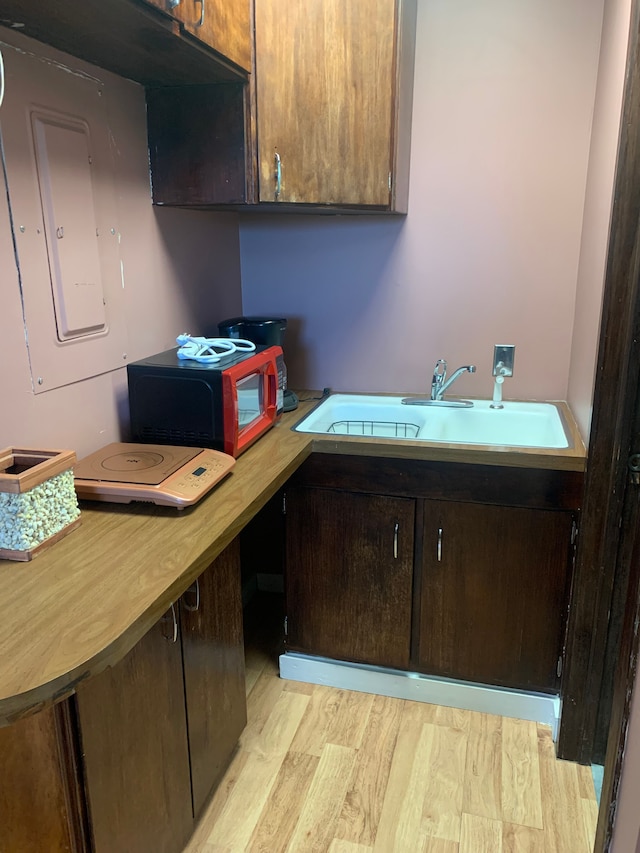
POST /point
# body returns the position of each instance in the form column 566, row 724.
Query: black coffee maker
column 262, row 331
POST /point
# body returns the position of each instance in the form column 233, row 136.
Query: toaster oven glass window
column 249, row 399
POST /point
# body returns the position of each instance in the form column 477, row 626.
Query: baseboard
column 597, row 772
column 537, row 707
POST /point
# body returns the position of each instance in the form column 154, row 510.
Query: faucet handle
column 439, row 375
column 440, row 370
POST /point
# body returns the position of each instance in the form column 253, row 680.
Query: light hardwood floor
column 321, row 770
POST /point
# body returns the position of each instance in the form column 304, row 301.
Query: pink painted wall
column 181, row 273
column 504, row 97
column 597, row 210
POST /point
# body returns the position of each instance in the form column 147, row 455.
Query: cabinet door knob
column 395, row 540
column 195, row 589
column 170, row 615
column 201, row 21
column 439, row 545
column 278, row 174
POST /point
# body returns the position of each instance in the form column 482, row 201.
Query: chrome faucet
column 440, row 384
column 439, row 375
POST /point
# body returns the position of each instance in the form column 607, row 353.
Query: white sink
column 515, row 425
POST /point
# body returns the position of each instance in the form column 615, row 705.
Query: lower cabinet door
column 134, row 741
column 349, row 569
column 41, row 798
column 213, row 656
column 493, row 590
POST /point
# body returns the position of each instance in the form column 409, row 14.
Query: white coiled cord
column 211, row 350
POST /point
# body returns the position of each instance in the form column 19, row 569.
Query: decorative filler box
column 38, row 502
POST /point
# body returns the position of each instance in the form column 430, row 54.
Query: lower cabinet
column 492, row 587
column 136, row 753
column 213, row 662
column 479, row 592
column 349, row 575
column 41, row 797
column 159, row 728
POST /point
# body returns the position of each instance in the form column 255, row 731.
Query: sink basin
column 516, row 425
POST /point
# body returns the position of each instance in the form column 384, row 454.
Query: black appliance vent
column 185, row 438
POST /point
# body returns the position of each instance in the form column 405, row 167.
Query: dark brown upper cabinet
column 313, row 113
column 333, row 95
column 142, row 40
column 198, row 151
column 324, row 124
column 224, row 25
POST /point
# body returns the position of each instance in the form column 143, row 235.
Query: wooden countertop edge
column 149, row 582
column 471, row 454
column 15, row 706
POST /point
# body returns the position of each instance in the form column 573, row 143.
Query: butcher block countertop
column 81, row 605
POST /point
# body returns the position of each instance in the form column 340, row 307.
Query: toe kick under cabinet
column 449, row 569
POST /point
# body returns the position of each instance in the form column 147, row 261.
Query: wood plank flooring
column 321, row 770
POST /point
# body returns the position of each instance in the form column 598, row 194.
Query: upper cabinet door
column 329, row 115
column 224, row 25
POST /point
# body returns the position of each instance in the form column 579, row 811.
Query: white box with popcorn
column 38, row 501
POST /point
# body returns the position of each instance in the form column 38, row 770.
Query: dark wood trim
column 621, row 592
column 66, row 725
column 418, row 552
column 625, row 677
column 456, row 481
column 405, row 50
column 611, row 431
